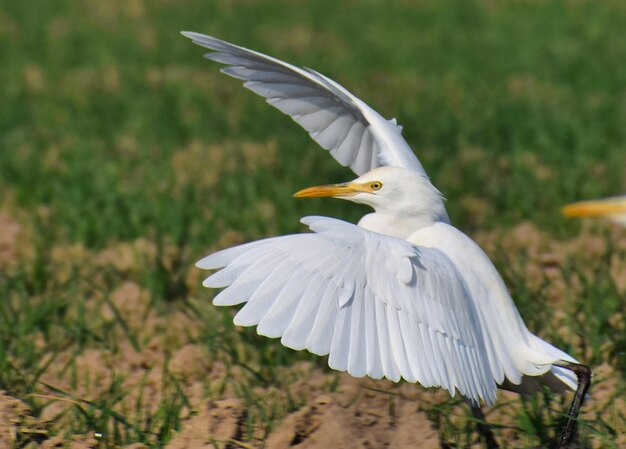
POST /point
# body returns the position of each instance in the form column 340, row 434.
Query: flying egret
column 403, row 294
column 613, row 209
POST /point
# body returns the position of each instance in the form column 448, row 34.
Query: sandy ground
column 352, row 417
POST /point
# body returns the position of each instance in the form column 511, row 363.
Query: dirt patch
column 128, row 302
column 367, row 420
column 331, row 410
column 354, row 416
column 17, row 426
column 75, row 442
column 190, row 362
column 220, row 424
column 143, row 376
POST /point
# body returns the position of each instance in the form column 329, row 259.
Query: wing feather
column 320, row 338
column 374, row 362
column 431, row 356
column 261, row 300
column 449, row 367
column 346, row 150
column 303, row 93
column 390, row 367
column 397, row 343
column 340, row 344
column 377, row 305
column 357, row 359
column 299, row 329
column 236, row 294
column 297, row 107
column 274, row 323
column 411, row 341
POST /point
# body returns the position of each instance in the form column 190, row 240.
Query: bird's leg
column 483, row 427
column 583, row 373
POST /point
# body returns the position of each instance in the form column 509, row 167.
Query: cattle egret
column 403, row 294
column 613, row 209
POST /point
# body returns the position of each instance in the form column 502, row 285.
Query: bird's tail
column 558, row 379
column 565, row 377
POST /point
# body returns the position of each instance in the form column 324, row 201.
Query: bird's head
column 388, row 190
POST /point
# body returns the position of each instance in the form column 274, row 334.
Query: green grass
column 114, row 129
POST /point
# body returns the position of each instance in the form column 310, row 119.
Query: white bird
column 613, row 209
column 403, row 294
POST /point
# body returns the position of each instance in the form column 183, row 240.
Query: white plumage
column 356, row 135
column 403, row 294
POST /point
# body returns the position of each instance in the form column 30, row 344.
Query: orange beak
column 345, row 189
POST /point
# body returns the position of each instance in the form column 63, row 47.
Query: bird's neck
column 399, row 226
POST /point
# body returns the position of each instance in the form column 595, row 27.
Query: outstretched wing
column 356, row 135
column 378, row 305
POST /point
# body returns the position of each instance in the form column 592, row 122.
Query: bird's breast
column 399, row 227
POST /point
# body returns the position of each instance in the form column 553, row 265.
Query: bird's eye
column 376, row 185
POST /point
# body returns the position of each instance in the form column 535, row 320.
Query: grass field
column 125, row 157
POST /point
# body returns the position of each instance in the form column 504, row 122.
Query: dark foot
column 583, row 373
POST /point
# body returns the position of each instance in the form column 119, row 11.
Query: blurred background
column 125, row 156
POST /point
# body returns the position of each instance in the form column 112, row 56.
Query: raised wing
column 378, row 305
column 356, row 135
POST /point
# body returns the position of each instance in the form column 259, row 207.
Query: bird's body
column 403, row 294
column 515, row 354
